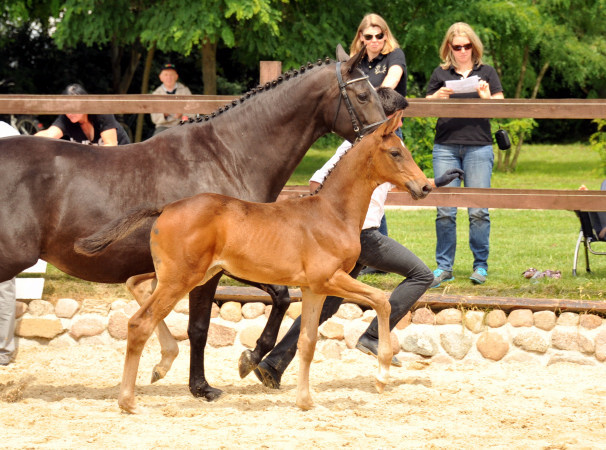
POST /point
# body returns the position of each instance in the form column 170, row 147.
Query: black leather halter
column 355, row 120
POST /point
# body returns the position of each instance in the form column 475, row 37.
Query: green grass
column 519, row 239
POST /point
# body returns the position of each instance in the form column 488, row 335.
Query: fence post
column 269, row 70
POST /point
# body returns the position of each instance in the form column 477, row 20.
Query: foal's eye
column 395, row 153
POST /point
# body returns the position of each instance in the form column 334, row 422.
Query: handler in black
column 100, row 129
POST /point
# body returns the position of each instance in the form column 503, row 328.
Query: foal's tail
column 115, row 230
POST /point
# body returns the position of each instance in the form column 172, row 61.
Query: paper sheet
column 465, row 85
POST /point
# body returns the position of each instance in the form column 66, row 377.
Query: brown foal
column 312, row 242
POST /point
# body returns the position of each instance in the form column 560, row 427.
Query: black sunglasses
column 369, row 37
column 458, row 48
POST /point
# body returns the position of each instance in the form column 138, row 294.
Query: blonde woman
column 384, row 63
column 464, row 144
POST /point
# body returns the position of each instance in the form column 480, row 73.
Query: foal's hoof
column 157, row 374
column 379, row 386
column 207, row 392
column 246, row 364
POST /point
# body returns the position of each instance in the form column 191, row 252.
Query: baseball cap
column 169, row 66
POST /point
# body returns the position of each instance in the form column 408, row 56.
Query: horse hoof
column 379, row 386
column 131, row 408
column 246, row 364
column 207, row 392
column 157, row 374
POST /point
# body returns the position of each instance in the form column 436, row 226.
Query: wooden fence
column 462, row 197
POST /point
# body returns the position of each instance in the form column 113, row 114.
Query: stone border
column 452, row 334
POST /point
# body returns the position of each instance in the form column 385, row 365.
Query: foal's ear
column 392, row 124
column 341, row 55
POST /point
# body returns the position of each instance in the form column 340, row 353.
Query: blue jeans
column 476, row 161
column 380, row 252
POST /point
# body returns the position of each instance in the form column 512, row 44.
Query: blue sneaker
column 479, row 275
column 440, row 276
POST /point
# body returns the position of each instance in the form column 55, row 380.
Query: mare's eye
column 363, row 97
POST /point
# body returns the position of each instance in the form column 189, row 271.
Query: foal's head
column 393, row 162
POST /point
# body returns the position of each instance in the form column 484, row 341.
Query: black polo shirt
column 377, row 68
column 461, row 131
column 101, row 122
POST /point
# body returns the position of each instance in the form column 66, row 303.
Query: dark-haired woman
column 99, row 129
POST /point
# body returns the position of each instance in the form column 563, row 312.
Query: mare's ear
column 355, row 60
column 341, row 55
column 392, row 124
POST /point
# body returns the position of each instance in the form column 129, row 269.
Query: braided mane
column 291, row 74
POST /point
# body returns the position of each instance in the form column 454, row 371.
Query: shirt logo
column 380, row 68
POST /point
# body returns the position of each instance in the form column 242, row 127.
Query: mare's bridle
column 355, row 120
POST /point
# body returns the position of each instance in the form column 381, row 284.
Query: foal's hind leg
column 249, row 359
column 140, row 327
column 142, row 286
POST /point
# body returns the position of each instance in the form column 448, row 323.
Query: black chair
column 593, row 229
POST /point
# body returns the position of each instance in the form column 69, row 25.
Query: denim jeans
column 476, row 161
column 380, row 252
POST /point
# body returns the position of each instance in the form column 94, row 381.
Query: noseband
column 355, row 120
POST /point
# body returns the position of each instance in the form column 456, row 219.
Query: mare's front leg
column 142, row 286
column 249, row 359
column 200, row 304
column 310, row 318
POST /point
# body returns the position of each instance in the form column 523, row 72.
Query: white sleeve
column 321, row 174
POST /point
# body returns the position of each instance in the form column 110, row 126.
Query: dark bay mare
column 53, row 192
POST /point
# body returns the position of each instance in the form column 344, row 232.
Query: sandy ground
column 66, row 398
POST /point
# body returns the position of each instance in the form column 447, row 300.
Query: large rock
column 600, row 346
column 568, row 319
column 545, row 320
column 250, row 334
column 496, row 318
column 220, row 335
column 423, row 316
column 182, row 306
column 590, row 321
column 353, row 331
column 420, row 343
column 87, row 325
column 66, row 308
column 95, row 306
column 474, row 321
column 253, row 310
column 294, row 310
column 531, row 341
column 331, row 329
column 117, row 325
column 521, row 318
column 38, row 327
column 231, row 311
column 449, row 316
column 404, row 321
column 456, row 344
column 572, row 340
column 40, row 308
column 177, row 324
column 20, row 309
column 349, row 311
column 492, row 345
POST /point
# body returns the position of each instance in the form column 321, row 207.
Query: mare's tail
column 115, row 230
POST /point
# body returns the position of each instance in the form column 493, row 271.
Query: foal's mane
column 261, row 88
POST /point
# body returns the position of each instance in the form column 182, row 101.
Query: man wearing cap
column 170, row 86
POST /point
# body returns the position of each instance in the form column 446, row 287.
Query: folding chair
column 592, row 225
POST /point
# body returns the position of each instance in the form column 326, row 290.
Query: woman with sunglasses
column 463, row 144
column 384, row 63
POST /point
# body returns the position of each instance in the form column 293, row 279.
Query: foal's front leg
column 142, row 286
column 310, row 317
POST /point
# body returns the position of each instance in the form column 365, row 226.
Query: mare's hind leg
column 310, row 318
column 200, row 303
column 249, row 359
column 142, row 286
column 140, row 327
